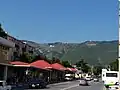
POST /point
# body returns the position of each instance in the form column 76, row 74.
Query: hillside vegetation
column 93, row 52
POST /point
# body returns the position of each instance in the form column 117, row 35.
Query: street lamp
column 51, row 47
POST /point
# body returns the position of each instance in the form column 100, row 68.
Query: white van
column 69, row 77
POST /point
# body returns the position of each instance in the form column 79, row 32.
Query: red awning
column 58, row 66
column 18, row 63
column 72, row 69
column 41, row 64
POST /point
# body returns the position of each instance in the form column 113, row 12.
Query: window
column 111, row 74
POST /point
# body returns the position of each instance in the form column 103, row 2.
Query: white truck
column 111, row 79
column 103, row 74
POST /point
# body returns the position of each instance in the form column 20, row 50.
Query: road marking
column 69, row 87
column 63, row 82
column 60, row 83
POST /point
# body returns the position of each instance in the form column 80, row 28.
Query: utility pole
column 92, row 67
column 119, row 44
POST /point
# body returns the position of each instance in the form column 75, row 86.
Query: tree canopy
column 83, row 66
column 114, row 65
column 26, row 57
column 97, row 70
column 2, row 32
column 66, row 64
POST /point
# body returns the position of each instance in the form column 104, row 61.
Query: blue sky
column 60, row 20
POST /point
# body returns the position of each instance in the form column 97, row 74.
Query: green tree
column 2, row 32
column 55, row 60
column 41, row 57
column 97, row 70
column 83, row 66
column 66, row 64
column 114, row 65
column 26, row 57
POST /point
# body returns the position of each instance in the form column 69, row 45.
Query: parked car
column 83, row 82
column 14, row 84
column 96, row 79
column 17, row 87
column 69, row 77
column 4, row 86
column 36, row 83
column 88, row 78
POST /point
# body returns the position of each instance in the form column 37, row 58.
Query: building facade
column 20, row 47
column 5, row 49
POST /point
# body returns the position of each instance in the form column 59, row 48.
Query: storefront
column 5, row 47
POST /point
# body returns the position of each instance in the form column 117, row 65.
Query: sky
column 60, row 20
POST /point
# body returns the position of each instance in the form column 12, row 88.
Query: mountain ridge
column 91, row 51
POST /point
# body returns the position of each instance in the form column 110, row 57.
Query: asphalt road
column 74, row 85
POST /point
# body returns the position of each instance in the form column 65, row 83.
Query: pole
column 119, row 44
column 92, row 69
column 5, row 72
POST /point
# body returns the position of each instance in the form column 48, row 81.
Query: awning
column 58, row 66
column 41, row 64
column 72, row 69
column 20, row 64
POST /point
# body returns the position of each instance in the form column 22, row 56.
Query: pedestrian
column 48, row 79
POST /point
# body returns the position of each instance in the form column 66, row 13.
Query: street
column 74, row 85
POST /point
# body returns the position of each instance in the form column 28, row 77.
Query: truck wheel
column 107, row 86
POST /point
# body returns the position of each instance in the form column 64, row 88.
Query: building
column 5, row 49
column 5, row 56
column 20, row 47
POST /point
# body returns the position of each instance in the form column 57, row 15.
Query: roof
column 6, row 42
column 58, row 66
column 41, row 64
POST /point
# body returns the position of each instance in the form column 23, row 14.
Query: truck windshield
column 111, row 74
